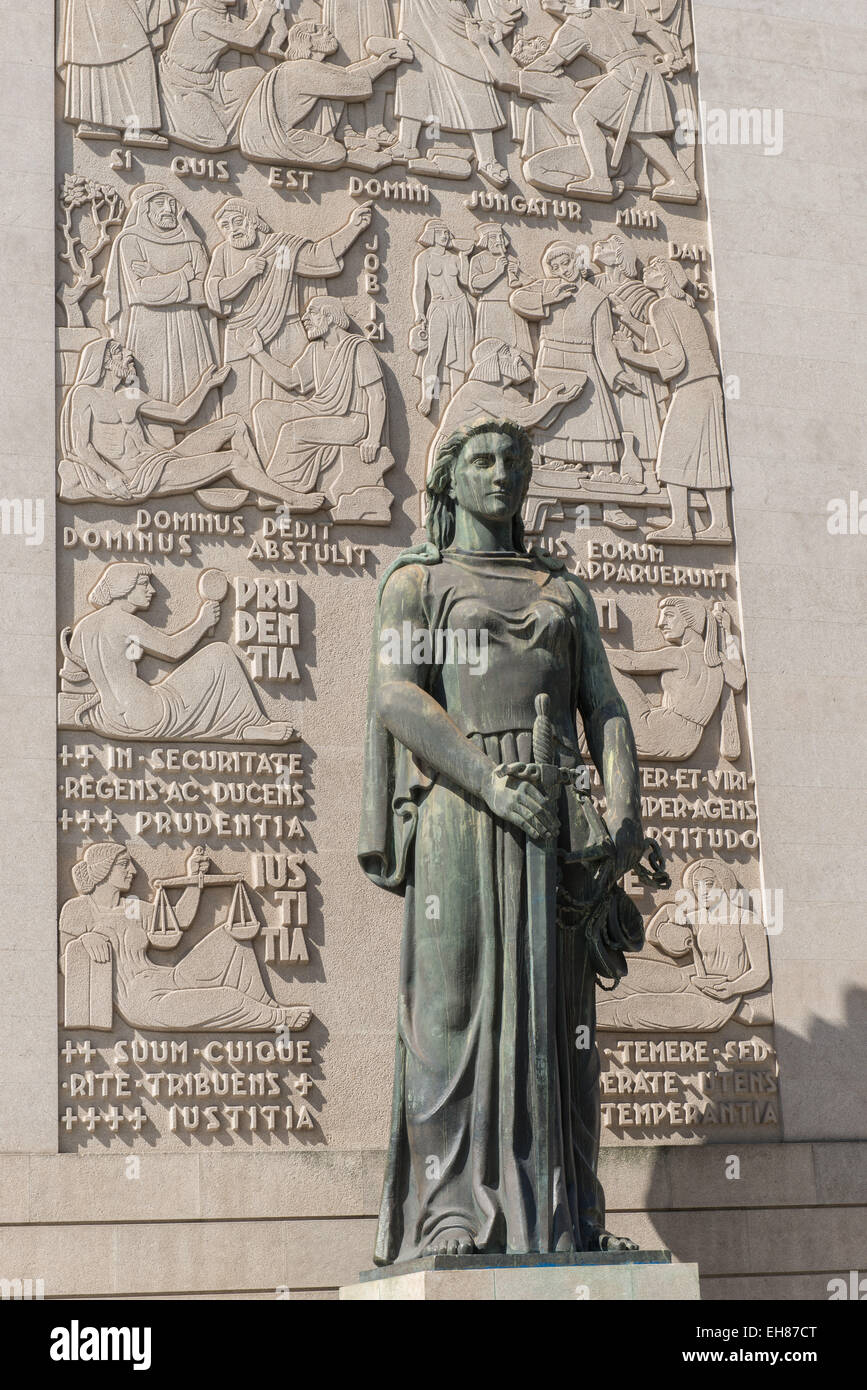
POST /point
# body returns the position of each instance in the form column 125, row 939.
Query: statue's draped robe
column 461, row 1146
column 105, row 53
column 206, row 696
column 154, row 292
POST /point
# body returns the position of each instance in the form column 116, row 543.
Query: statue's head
column 307, row 39
column 322, row 313
column 667, row 277
column 163, row 212
column 435, row 232
column 123, row 579
column 101, row 863
column 240, row 223
column 614, row 250
column 484, row 468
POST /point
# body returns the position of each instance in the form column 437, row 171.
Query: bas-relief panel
column 298, row 245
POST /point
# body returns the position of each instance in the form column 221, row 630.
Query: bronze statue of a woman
column 476, row 810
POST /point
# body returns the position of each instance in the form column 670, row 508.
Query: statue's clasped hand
column 515, row 794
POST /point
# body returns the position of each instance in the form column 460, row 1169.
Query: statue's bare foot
column 295, row 501
column 493, row 172
column 672, row 533
column 275, row 731
column 454, row 1240
column 294, row 1017
column 607, row 1241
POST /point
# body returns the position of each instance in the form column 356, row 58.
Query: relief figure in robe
column 641, row 410
column 494, row 271
column 576, row 342
column 453, row 811
column 352, row 25
column 216, row 985
column 254, row 283
column 207, row 695
column 291, row 116
column 342, row 403
column 106, row 58
column 449, row 86
column 202, row 101
column 700, row 963
column 693, row 451
column 155, row 293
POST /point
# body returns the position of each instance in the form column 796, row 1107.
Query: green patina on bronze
column 475, row 809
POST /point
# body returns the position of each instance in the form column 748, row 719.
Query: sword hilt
column 543, row 732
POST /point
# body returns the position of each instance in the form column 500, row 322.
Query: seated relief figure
column 493, row 389
column 700, row 965
column 472, row 789
column 284, row 118
column 218, row 984
column 340, row 417
column 109, row 453
column 207, row 696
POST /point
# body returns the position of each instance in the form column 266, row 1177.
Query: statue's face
column 671, row 625
column 315, row 322
column 515, row 367
column 605, row 252
column 490, row 479
column 239, row 230
column 564, row 264
column 122, row 873
column 163, row 212
column 442, row 236
column 654, row 277
column 322, row 40
column 497, row 243
column 142, row 595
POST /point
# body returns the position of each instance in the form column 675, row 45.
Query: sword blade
column 541, row 892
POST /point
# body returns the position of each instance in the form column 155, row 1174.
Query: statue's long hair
column 441, row 507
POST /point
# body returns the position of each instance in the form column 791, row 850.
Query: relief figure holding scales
column 477, row 810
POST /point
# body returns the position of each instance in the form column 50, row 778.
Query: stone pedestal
column 640, row 1274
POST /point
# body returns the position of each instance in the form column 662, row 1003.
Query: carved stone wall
column 269, row 308
column 292, row 260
